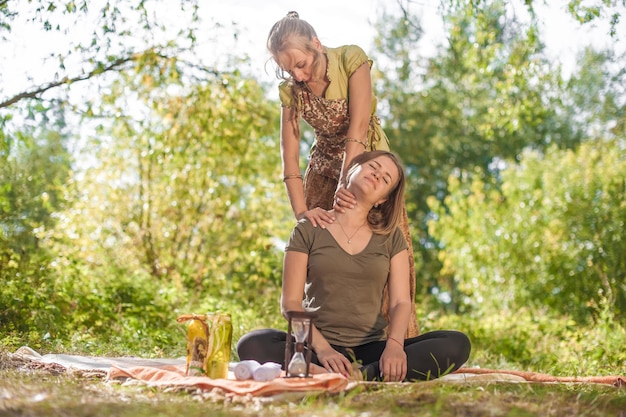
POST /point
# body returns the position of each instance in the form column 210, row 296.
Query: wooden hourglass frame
column 299, row 334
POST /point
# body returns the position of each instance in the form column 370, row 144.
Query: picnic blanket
column 170, row 373
column 615, row 380
column 175, row 377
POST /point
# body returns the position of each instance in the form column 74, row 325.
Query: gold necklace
column 355, row 232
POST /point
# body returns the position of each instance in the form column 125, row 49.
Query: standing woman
column 331, row 89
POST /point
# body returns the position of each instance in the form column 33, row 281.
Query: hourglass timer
column 297, row 362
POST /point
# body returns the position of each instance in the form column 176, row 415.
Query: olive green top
column 346, row 291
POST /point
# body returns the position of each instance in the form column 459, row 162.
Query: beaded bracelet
column 291, row 176
column 356, row 141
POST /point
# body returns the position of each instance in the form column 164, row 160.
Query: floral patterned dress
column 329, row 117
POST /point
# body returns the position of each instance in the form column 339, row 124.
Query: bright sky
column 337, row 22
column 340, row 22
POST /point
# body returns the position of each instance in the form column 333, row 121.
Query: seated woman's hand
column 315, row 369
column 318, row 217
column 344, row 199
column 393, row 363
column 334, row 361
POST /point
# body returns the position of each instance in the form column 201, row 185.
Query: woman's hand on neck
column 352, row 216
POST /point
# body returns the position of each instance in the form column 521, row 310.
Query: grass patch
column 54, row 392
column 522, row 340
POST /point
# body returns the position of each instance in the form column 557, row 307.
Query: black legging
column 429, row 355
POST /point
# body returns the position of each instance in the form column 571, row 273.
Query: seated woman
column 340, row 272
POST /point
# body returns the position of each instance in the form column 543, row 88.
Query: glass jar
column 219, row 344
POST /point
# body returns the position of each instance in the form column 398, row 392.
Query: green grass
column 520, row 340
column 28, row 392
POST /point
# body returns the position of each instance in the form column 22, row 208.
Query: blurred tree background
column 464, row 121
column 142, row 179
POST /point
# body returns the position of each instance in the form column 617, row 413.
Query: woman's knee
column 263, row 345
column 463, row 346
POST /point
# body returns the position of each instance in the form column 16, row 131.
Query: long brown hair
column 385, row 218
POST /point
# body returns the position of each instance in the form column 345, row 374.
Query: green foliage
column 179, row 211
column 597, row 92
column 34, row 165
column 486, row 95
column 174, row 206
column 583, row 12
column 536, row 340
column 552, row 235
column 596, row 10
column 100, row 38
column 174, row 203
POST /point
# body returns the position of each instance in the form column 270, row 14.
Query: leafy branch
column 99, row 69
column 116, row 65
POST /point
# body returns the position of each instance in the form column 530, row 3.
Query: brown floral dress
column 330, row 119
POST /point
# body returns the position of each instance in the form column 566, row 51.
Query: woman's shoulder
column 304, row 222
column 304, row 226
column 347, row 53
column 346, row 50
column 346, row 59
column 398, row 241
column 285, row 94
column 309, row 232
column 394, row 240
column 302, row 236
